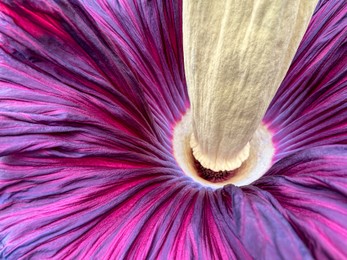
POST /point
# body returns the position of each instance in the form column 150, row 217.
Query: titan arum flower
column 104, row 155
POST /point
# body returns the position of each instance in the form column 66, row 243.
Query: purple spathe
column 89, row 95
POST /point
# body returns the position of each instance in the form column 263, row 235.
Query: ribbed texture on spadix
column 236, row 54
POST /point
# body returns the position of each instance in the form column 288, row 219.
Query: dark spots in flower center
column 212, row 176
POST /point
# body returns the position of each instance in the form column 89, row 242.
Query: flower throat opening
column 259, row 161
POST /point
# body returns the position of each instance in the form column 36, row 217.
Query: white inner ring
column 259, row 161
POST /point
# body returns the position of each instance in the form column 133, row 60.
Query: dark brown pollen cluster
column 212, row 176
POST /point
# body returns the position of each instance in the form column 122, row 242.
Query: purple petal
column 86, row 116
column 313, row 194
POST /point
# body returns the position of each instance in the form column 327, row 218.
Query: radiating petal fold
column 311, row 186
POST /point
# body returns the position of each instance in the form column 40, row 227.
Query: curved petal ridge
column 311, row 186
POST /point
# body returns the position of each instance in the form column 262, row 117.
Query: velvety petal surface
column 89, row 94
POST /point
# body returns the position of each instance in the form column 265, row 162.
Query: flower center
column 258, row 162
column 210, row 175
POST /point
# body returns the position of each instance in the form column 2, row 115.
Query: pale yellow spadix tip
column 236, row 54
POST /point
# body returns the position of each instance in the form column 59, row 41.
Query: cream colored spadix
column 236, row 53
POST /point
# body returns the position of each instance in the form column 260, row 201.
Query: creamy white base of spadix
column 259, row 160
